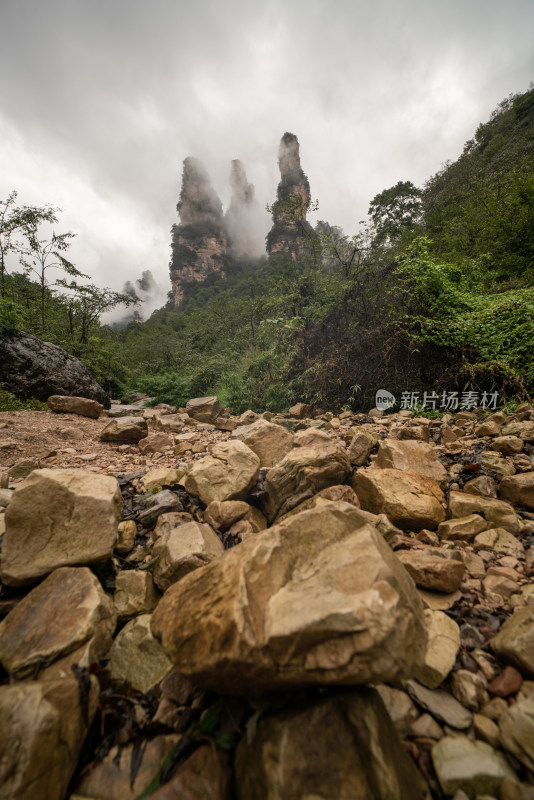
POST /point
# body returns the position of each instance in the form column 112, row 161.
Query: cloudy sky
column 101, row 100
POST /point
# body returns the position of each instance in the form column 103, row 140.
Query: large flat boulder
column 411, row 456
column 30, row 367
column 410, row 501
column 497, row 513
column 56, row 518
column 270, row 442
column 339, row 747
column 66, row 610
column 304, row 472
column 317, row 599
column 204, row 409
column 82, row 406
column 125, row 429
column 518, row 490
column 229, row 472
column 43, row 725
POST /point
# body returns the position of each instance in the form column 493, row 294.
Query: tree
column 41, row 255
column 87, row 303
column 395, row 210
column 17, row 220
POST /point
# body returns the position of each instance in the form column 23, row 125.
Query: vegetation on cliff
column 436, row 292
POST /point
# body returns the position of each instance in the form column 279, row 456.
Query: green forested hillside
column 437, row 292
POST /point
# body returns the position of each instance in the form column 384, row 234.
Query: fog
column 103, row 100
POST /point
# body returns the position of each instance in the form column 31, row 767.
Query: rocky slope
column 266, row 606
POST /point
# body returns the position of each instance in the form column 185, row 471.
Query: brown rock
column 223, row 514
column 125, row 429
column 170, row 423
column 500, row 541
column 506, row 683
column 59, row 517
column 300, row 411
column 442, row 648
column 204, row 409
column 330, row 495
column 518, row 489
column 229, row 472
column 469, row 689
column 134, row 593
column 206, row 774
column 288, row 608
column 42, row 729
column 516, row 729
column 497, row 513
column 515, row 641
column 66, row 610
column 411, row 456
column 483, row 485
column 126, row 538
column 270, row 443
column 508, row 445
column 523, row 430
column 136, row 657
column 360, row 447
column 183, row 550
column 367, row 761
column 410, row 501
column 462, row 528
column 488, row 428
column 302, row 473
column 419, row 433
column 110, row 778
column 438, row 570
column 156, row 443
column 75, row 405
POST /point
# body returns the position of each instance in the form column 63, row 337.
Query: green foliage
column 395, row 210
column 8, row 402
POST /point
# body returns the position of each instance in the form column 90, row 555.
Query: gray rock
column 30, row 367
column 474, row 767
column 441, row 705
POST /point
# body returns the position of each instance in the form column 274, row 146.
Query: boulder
column 66, row 610
column 500, row 541
column 523, row 430
column 442, row 705
column 518, row 489
column 124, row 429
column 473, row 767
column 411, row 456
column 442, row 648
column 111, row 777
column 515, row 641
column 170, row 423
column 489, row 427
column 222, row 515
column 163, row 502
column 156, row 443
column 438, row 570
column 300, row 411
column 410, row 501
column 229, row 472
column 330, row 495
column 161, row 476
column 127, row 531
column 482, row 485
column 134, row 593
column 206, row 774
column 75, row 405
column 462, row 528
column 43, row 725
column 469, row 688
column 270, row 442
column 183, row 550
column 127, row 410
column 204, row 409
column 32, row 368
column 317, row 599
column 79, row 525
column 302, row 473
column 137, row 658
column 360, row 447
column 400, row 707
column 419, row 433
column 516, row 729
column 508, row 445
column 497, row 513
column 339, row 747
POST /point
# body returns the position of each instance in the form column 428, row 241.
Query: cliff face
column 200, row 242
column 291, row 232
column 208, row 242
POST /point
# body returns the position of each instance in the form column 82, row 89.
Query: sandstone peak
column 199, row 202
